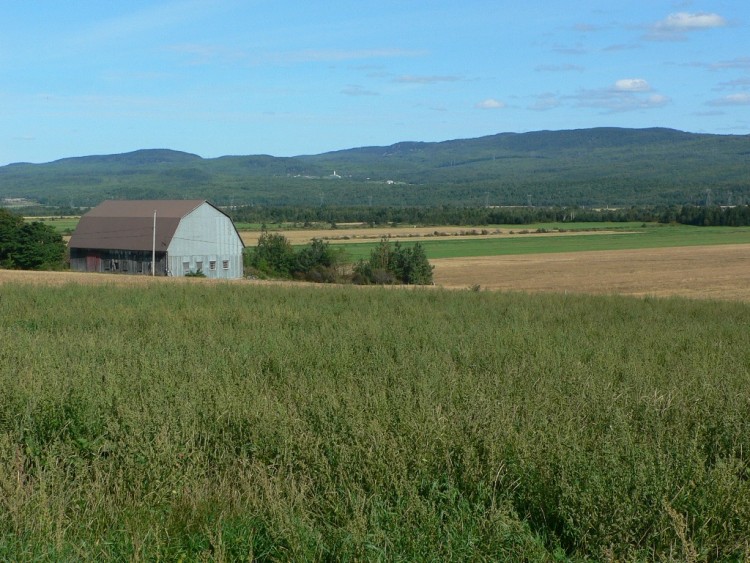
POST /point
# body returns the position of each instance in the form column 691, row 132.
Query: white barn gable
column 206, row 240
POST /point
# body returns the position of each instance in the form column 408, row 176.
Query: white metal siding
column 204, row 235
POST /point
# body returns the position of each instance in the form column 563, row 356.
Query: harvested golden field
column 355, row 235
column 703, row 272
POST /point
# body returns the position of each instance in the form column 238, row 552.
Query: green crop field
column 63, row 225
column 655, row 236
column 246, row 422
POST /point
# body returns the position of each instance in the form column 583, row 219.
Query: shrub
column 394, row 264
column 274, row 256
column 197, row 274
column 317, row 254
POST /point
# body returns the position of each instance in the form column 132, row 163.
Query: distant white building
column 189, row 236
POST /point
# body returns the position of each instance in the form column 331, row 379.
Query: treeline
column 29, row 246
column 438, row 215
column 450, row 215
column 715, row 215
column 738, row 216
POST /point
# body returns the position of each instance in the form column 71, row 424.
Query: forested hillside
column 588, row 167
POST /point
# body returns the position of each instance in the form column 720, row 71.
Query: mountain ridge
column 603, row 165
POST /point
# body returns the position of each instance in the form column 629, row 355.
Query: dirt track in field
column 700, row 272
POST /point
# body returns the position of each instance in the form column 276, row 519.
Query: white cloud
column 490, row 103
column 612, row 100
column 632, row 85
column 655, row 101
column 675, row 26
column 684, row 21
column 741, row 99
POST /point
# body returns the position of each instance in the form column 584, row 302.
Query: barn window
column 225, row 264
column 212, row 265
column 199, row 266
column 186, row 266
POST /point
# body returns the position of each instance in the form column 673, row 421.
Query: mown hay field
column 362, row 234
column 700, row 272
column 241, row 421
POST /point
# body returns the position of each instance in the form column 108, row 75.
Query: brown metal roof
column 129, row 224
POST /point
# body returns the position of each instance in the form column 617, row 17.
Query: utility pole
column 153, row 248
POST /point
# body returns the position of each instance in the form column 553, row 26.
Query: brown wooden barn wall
column 116, row 261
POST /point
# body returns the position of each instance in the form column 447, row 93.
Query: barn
column 184, row 236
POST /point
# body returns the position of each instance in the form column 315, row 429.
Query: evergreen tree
column 394, row 264
column 416, row 269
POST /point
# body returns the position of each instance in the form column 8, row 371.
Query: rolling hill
column 601, row 166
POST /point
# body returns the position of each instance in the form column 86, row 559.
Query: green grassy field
column 246, row 422
column 655, row 236
column 62, row 225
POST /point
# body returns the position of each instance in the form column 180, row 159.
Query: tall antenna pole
column 153, row 248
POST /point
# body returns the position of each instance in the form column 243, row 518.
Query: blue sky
column 219, row 77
